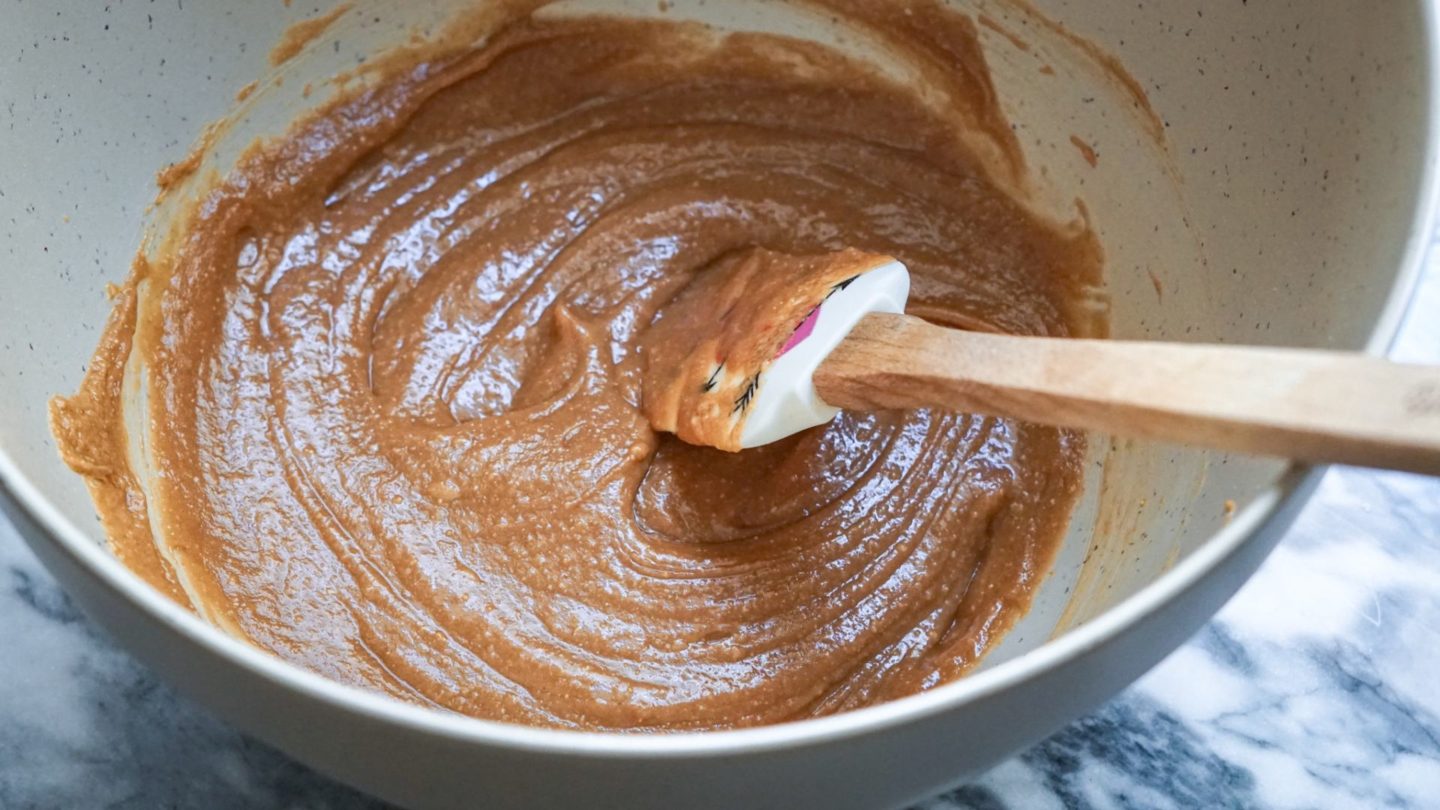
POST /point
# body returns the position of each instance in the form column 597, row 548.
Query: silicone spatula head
column 729, row 362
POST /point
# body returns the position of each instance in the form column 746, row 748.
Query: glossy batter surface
column 393, row 374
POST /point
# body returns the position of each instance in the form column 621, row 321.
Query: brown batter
column 395, row 384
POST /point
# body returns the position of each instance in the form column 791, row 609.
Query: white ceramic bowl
column 1289, row 208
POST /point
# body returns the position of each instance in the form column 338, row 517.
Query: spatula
column 766, row 345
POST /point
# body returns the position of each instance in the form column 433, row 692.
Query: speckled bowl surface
column 1276, row 195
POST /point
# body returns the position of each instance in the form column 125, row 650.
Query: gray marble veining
column 1317, row 686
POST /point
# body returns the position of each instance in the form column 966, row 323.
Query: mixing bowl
column 1268, row 176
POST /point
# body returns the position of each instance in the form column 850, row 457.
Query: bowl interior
column 1257, row 185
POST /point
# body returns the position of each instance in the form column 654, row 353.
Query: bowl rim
column 100, row 563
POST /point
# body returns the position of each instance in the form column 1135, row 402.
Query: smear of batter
column 394, row 370
column 297, row 36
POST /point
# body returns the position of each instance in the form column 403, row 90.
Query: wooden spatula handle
column 1305, row 405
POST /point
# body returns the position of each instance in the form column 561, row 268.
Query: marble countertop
column 1317, row 686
